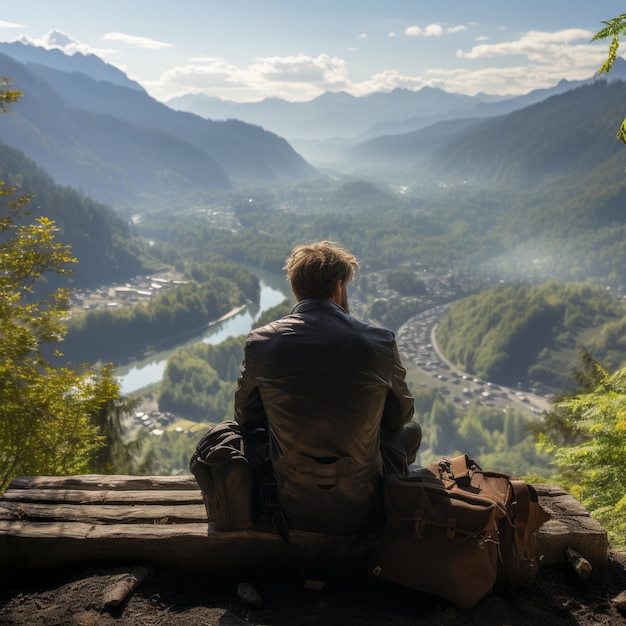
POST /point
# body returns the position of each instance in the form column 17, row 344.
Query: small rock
column 249, row 594
column 620, row 601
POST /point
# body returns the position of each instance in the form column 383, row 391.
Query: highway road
column 417, row 342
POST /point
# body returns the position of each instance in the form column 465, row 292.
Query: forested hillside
column 532, row 335
column 567, row 133
column 101, row 240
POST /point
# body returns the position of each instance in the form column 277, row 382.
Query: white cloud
column 363, row 36
column 535, row 60
column 533, row 44
column 137, row 42
column 303, row 68
column 298, row 77
column 432, row 30
column 4, row 24
column 549, row 58
column 516, row 80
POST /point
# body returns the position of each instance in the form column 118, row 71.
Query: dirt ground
column 80, row 597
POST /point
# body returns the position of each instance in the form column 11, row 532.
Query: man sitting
column 331, row 392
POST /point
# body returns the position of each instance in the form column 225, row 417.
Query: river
column 140, row 374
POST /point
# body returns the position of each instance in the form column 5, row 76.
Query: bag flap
column 413, row 503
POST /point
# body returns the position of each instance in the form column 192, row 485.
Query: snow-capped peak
column 56, row 40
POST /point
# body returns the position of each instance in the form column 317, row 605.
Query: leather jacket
column 325, row 384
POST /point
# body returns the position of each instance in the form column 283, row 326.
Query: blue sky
column 247, row 50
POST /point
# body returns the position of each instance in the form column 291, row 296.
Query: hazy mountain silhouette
column 340, row 115
column 331, row 114
column 324, row 130
column 118, row 144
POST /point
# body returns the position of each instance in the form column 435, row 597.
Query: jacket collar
column 317, row 305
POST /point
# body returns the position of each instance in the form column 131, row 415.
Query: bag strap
column 530, row 515
column 522, row 506
column 457, row 470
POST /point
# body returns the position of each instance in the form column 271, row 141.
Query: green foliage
column 7, row 96
column 218, row 266
column 170, row 451
column 199, row 380
column 406, row 282
column 392, row 312
column 614, row 29
column 589, row 448
column 274, row 313
column 46, row 408
column 119, row 454
column 495, row 439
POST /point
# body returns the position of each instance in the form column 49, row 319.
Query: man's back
column 326, row 383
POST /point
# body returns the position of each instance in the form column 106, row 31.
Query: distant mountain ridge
column 352, row 118
column 571, row 133
column 331, row 130
column 119, row 145
column 115, row 142
column 331, row 114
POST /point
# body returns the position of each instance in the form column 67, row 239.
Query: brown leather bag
column 458, row 532
column 438, row 540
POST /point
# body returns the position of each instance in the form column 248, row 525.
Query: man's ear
column 337, row 292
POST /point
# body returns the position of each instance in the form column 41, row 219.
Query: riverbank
column 141, row 373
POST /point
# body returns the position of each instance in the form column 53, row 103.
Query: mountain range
column 92, row 130
column 341, row 115
column 334, row 114
column 327, row 129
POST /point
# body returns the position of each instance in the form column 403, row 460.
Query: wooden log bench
column 53, row 521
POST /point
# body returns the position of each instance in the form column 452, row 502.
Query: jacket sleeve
column 249, row 411
column 399, row 404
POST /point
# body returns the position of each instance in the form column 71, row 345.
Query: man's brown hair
column 314, row 269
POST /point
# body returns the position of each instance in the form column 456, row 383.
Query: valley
column 481, row 228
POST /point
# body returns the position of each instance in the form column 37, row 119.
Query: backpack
column 225, row 465
column 457, row 532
